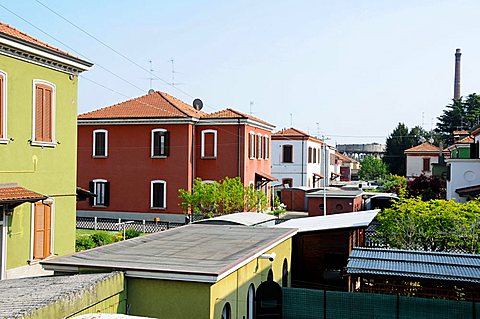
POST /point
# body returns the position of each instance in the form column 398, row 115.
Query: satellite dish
column 197, row 104
column 151, row 91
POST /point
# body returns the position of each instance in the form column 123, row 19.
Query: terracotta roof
column 463, row 132
column 466, row 140
column 233, row 114
column 11, row 31
column 153, row 105
column 423, row 148
column 294, row 132
column 18, row 194
column 345, row 157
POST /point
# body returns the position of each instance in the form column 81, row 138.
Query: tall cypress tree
column 397, row 142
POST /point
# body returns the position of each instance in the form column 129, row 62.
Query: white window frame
column 152, row 141
column 214, row 132
column 33, row 142
column 51, row 202
column 95, row 181
column 158, row 181
column 4, row 139
column 252, row 144
column 106, row 143
column 267, row 147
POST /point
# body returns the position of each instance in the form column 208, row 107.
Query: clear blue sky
column 356, row 68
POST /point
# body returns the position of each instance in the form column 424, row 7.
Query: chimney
column 456, row 88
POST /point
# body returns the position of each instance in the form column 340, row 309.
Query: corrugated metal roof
column 245, row 219
column 329, row 222
column 415, row 264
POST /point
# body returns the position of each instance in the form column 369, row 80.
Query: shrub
column 132, row 233
column 83, row 243
column 101, row 238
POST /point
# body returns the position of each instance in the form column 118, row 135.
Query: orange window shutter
column 47, row 243
column 47, row 114
column 39, row 231
column 38, row 113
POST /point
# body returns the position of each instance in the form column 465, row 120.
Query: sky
column 346, row 70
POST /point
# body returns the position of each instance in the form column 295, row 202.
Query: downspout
column 303, row 151
column 239, row 149
column 193, row 164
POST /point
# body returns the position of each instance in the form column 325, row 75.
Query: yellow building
column 194, row 271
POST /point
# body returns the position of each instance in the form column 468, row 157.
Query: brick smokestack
column 456, row 88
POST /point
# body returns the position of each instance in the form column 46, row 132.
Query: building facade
column 420, row 159
column 38, row 144
column 137, row 154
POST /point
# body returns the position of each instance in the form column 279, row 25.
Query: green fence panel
column 360, row 305
column 412, row 307
column 302, row 303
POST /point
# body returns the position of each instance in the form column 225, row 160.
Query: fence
column 307, row 303
column 112, row 224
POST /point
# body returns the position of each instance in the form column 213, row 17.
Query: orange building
column 135, row 155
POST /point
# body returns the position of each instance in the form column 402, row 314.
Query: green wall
column 50, row 171
column 460, row 152
column 167, row 298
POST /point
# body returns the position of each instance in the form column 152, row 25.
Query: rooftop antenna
column 291, row 119
column 251, row 107
column 151, row 78
column 423, row 119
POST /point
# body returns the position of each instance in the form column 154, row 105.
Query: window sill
column 43, row 144
column 159, row 156
column 4, row 141
column 158, row 208
column 99, row 206
column 209, row 157
column 98, row 156
column 32, row 262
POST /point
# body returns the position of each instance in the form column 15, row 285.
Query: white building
column 420, row 159
column 298, row 159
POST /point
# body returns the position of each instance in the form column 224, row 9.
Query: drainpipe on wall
column 193, row 164
column 303, row 151
column 239, row 149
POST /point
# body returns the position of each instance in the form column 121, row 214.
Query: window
column 285, row 273
column 259, row 146
column 267, row 147
column 100, row 143
column 101, row 189
column 158, row 194
column 209, row 144
column 251, row 145
column 426, row 164
column 251, row 302
column 160, row 143
column 42, row 230
column 287, row 182
column 309, row 155
column 287, row 153
column 227, row 311
column 314, row 155
column 43, row 113
column 3, row 107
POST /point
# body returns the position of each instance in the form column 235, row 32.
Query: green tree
column 228, row 196
column 434, row 225
column 397, row 142
column 372, row 169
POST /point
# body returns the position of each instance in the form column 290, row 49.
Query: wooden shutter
column 107, row 194
column 167, row 143
column 209, row 145
column 158, row 195
column 156, row 143
column 426, row 164
column 47, row 114
column 91, row 188
column 250, row 146
column 100, row 142
column 287, row 153
column 42, row 232
column 38, row 113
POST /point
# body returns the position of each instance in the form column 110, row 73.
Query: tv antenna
column 173, row 83
column 151, row 78
column 251, row 107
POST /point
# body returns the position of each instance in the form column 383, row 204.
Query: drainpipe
column 239, row 149
column 303, row 151
column 193, row 164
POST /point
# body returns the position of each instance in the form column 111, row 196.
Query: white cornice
column 183, row 120
column 236, row 121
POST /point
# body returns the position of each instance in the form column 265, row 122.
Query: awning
column 264, row 177
column 468, row 191
column 83, row 194
column 12, row 195
column 318, row 175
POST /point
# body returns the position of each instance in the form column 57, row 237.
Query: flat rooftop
column 195, row 252
column 245, row 219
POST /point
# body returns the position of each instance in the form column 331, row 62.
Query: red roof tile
column 293, row 133
column 153, row 105
column 11, row 31
column 423, row 148
column 16, row 193
column 233, row 114
column 345, row 158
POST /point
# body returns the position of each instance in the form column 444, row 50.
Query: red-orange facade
column 130, row 170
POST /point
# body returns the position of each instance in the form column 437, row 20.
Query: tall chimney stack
column 456, row 88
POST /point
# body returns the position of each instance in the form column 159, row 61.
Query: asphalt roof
column 195, row 252
column 336, row 192
column 415, row 264
column 331, row 222
column 21, row 297
column 244, row 218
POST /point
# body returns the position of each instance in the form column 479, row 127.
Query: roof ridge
column 169, row 102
